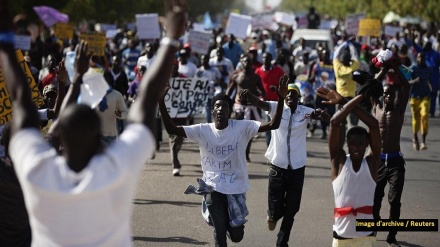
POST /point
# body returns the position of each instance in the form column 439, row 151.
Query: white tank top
column 353, row 189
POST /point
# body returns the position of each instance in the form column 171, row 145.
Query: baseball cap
column 49, row 88
column 292, row 86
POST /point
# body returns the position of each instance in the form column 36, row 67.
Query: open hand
column 246, row 95
column 81, row 58
column 282, row 86
column 332, row 97
column 61, row 72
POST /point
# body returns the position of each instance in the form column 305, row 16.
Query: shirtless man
column 390, row 115
column 246, row 79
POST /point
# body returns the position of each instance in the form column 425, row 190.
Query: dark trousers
column 285, row 190
column 393, row 172
column 217, row 204
column 330, row 109
column 176, row 144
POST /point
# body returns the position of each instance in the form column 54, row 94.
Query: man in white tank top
column 354, row 176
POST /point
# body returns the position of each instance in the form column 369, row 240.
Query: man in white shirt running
column 83, row 197
column 222, row 151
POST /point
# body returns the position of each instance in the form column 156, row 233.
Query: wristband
column 7, row 37
column 170, row 42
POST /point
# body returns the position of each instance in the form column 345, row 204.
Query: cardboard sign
column 199, row 41
column 285, row 18
column 5, row 102
column 238, row 25
column 263, row 21
column 391, row 31
column 96, row 43
column 352, row 23
column 369, row 27
column 186, row 97
column 23, row 42
column 148, row 26
column 63, row 31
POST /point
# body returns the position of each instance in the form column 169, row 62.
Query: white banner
column 199, row 41
column 391, row 31
column 264, row 21
column 23, row 42
column 148, row 26
column 285, row 18
column 238, row 25
column 186, row 97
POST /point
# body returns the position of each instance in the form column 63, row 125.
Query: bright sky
column 258, row 4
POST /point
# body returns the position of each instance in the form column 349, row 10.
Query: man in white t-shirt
column 354, row 175
column 186, row 68
column 82, row 197
column 222, row 152
column 149, row 57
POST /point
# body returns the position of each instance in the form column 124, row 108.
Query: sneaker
column 423, row 146
column 416, row 145
column 271, row 224
column 176, row 172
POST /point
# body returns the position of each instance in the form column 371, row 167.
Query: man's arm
column 171, row 128
column 245, row 94
column 25, row 113
column 143, row 110
column 276, row 120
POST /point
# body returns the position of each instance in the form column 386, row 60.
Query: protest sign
column 352, row 23
column 263, row 21
column 5, row 102
column 96, row 43
column 186, row 97
column 148, row 26
column 23, row 42
column 285, row 18
column 63, row 31
column 238, row 25
column 369, row 27
column 391, row 31
column 199, row 41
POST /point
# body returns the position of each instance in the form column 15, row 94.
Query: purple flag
column 50, row 16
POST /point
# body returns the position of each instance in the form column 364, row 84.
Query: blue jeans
column 217, row 204
column 285, row 191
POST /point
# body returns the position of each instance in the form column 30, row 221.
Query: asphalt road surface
column 165, row 216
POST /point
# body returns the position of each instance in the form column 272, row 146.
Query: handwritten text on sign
column 186, row 97
column 96, row 43
column 5, row 102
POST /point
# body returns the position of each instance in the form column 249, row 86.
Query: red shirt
column 269, row 78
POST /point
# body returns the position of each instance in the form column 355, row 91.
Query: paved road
column 164, row 216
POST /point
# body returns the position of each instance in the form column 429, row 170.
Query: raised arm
column 25, row 112
column 143, row 110
column 276, row 120
column 61, row 92
column 167, row 121
column 245, row 94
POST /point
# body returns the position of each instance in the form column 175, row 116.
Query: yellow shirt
column 345, row 86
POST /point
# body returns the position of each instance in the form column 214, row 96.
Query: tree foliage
column 427, row 9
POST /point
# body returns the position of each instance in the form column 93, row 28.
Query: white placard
column 199, row 41
column 110, row 34
column 198, row 27
column 285, row 18
column 93, row 89
column 148, row 26
column 186, row 97
column 391, row 31
column 352, row 23
column 106, row 27
column 23, row 42
column 238, row 25
column 264, row 21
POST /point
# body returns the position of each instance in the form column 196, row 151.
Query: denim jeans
column 390, row 171
column 217, row 204
column 285, row 191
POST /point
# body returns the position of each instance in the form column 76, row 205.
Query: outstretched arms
column 25, row 113
column 143, row 110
